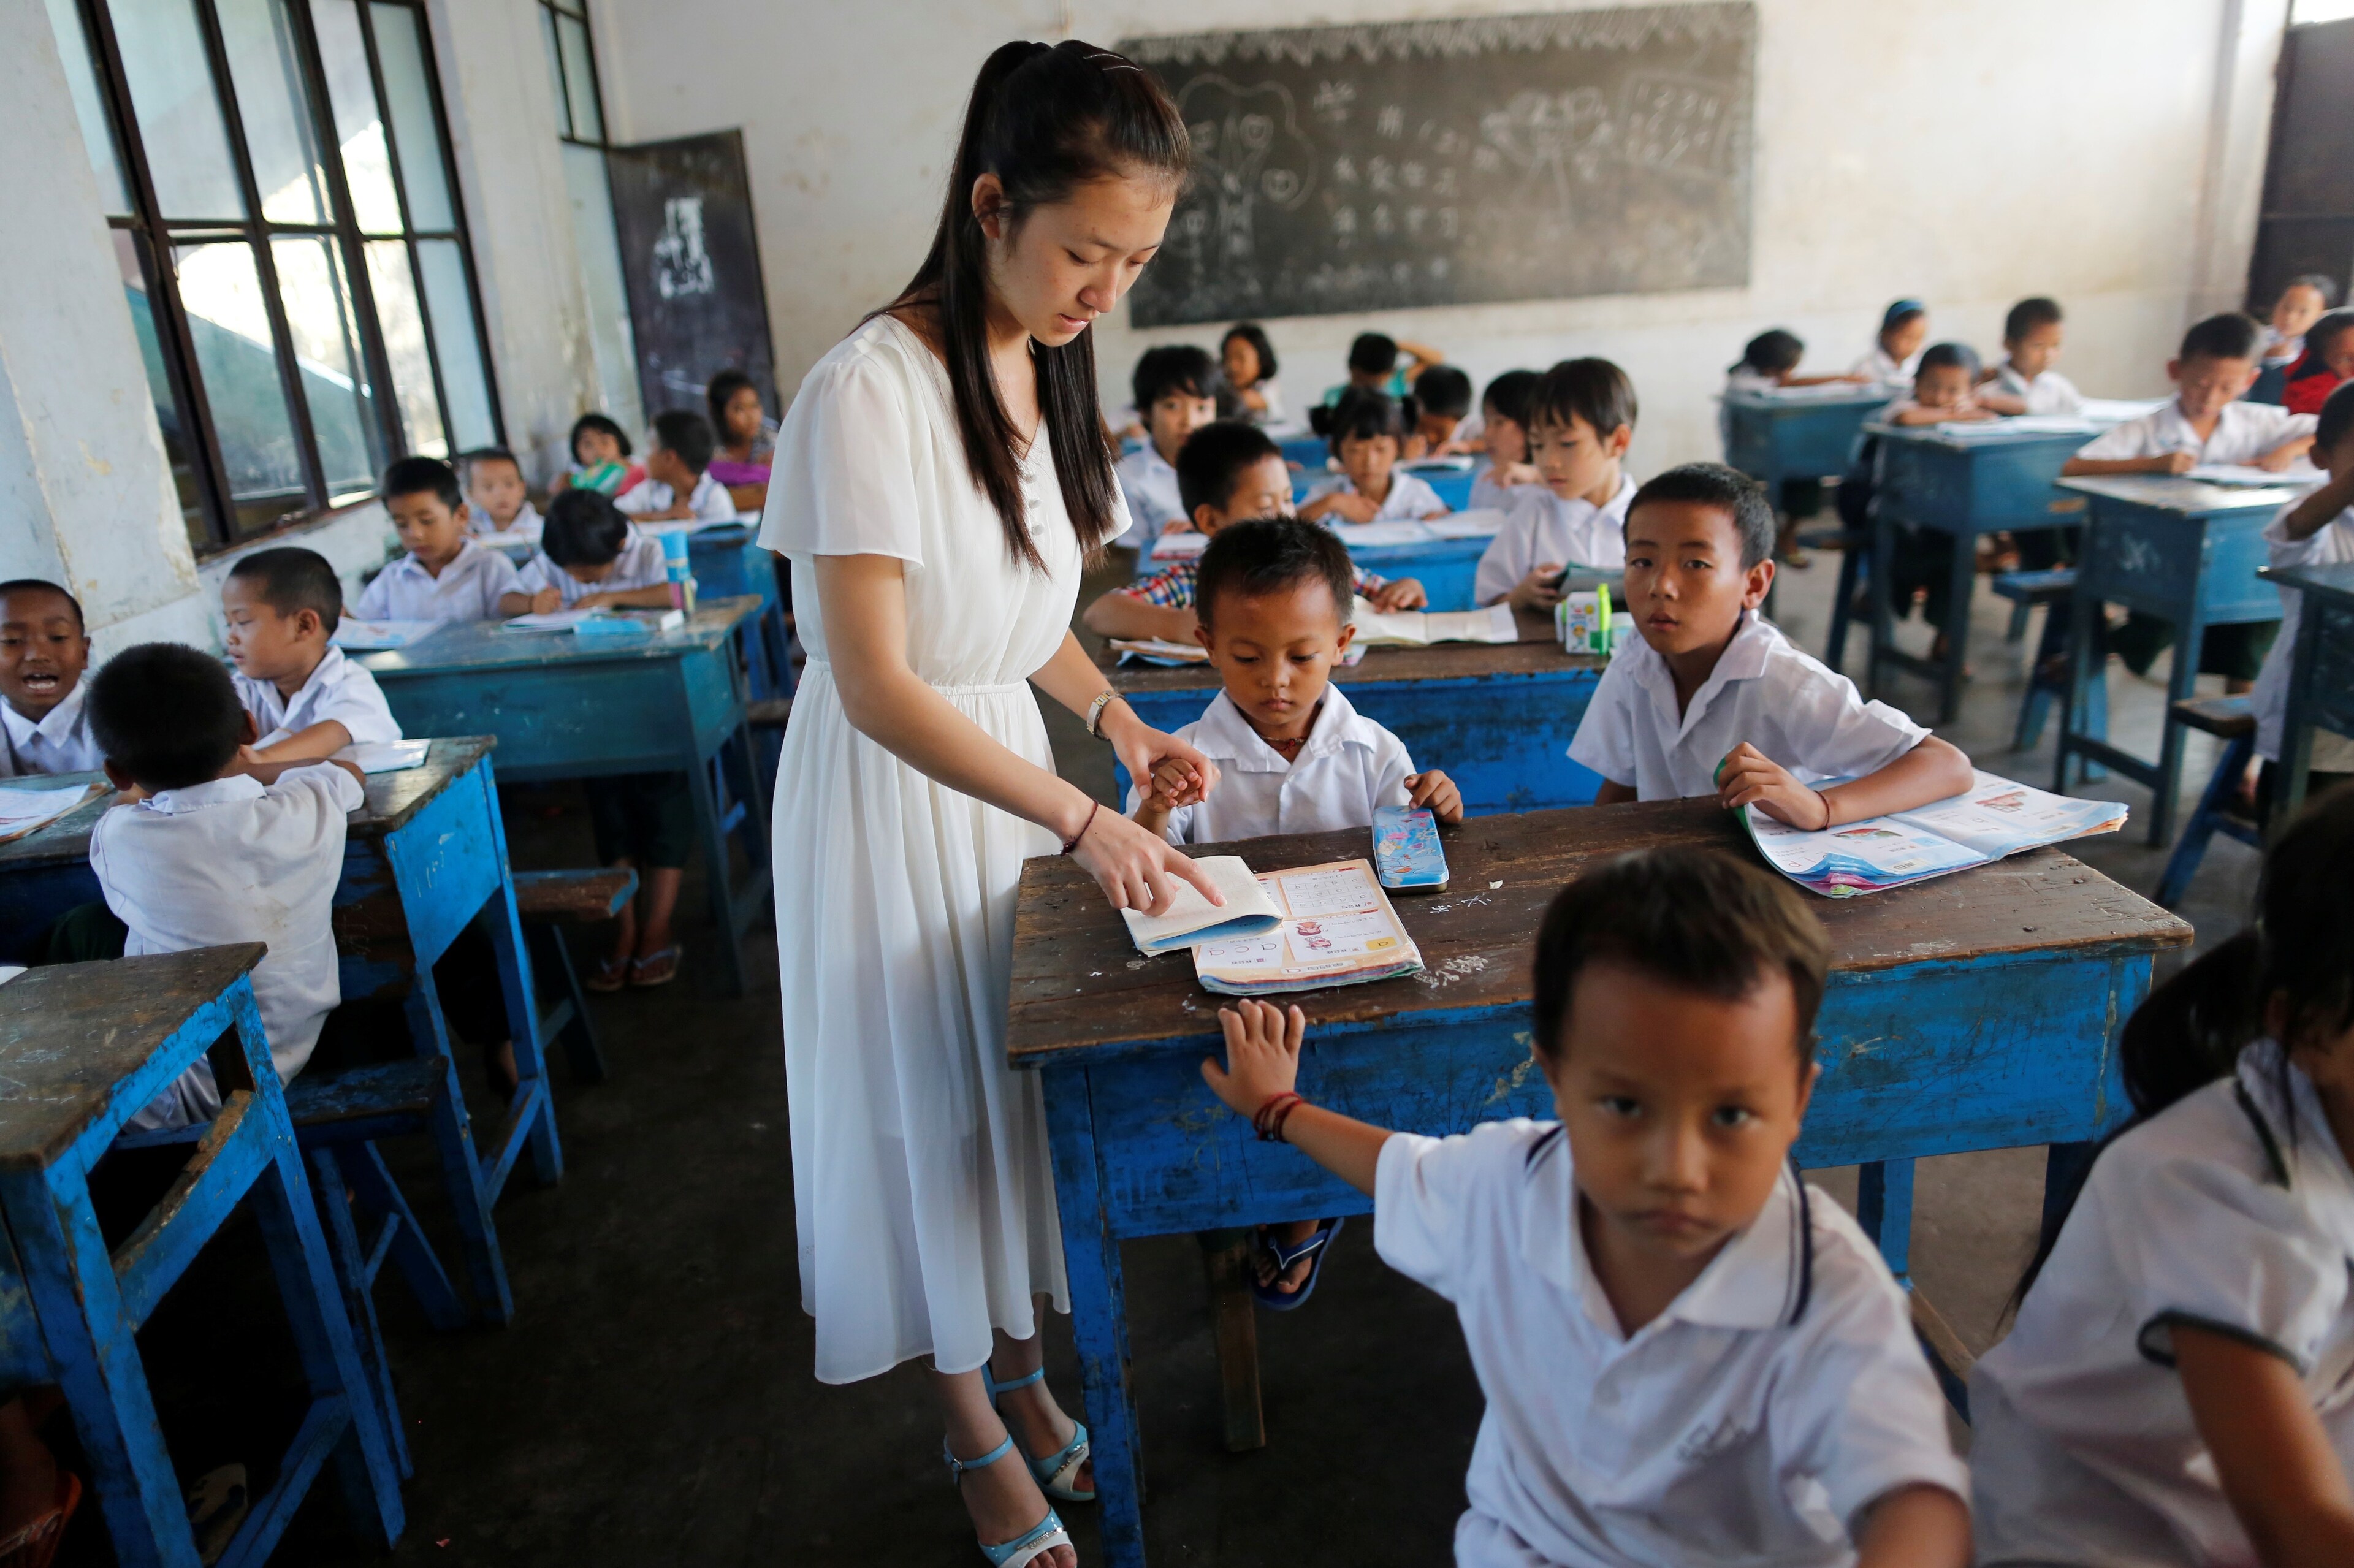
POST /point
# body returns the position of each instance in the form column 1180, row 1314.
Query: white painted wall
column 2105, row 152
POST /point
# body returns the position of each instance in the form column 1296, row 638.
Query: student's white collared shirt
column 337, row 689
column 1751, row 1422
column 639, row 565
column 1764, row 690
column 709, row 501
column 1539, row 527
column 232, row 860
column 1149, row 483
column 2243, row 432
column 1409, row 500
column 2330, row 544
column 468, row 589
column 1348, row 766
column 1886, row 369
column 60, row 743
column 525, row 527
column 2232, row 1209
column 2049, row 393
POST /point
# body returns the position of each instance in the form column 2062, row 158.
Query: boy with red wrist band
column 1687, row 1354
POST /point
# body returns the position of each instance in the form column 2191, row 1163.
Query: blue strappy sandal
column 1055, row 1471
column 1024, row 1548
column 1312, row 1249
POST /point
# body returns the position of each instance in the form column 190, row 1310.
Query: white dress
column 923, row 1196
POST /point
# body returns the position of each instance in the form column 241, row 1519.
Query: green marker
column 1602, row 617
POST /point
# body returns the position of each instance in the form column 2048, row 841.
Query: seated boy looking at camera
column 678, row 487
column 445, row 576
column 307, row 700
column 1715, row 701
column 1226, row 471
column 44, row 708
column 1581, row 420
column 1687, row 1354
column 498, row 502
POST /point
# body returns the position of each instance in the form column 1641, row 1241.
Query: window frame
column 154, row 239
column 552, row 13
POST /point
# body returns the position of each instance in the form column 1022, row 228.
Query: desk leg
column 2083, row 615
column 1884, row 611
column 1883, row 1206
column 1099, row 1317
column 2290, row 773
column 2181, row 683
column 1227, row 1260
column 719, row 885
column 533, row 1090
column 1962, row 576
column 461, row 1167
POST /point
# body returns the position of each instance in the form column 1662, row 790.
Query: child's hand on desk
column 2174, row 462
column 1436, row 791
column 591, row 600
column 2281, row 457
column 1747, row 777
column 1262, row 1055
column 1403, row 594
column 546, row 602
column 1538, row 589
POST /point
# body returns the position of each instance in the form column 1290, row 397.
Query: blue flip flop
column 1312, row 1249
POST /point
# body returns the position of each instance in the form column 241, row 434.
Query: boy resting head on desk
column 2207, row 422
column 678, row 486
column 182, row 865
column 445, row 576
column 590, row 558
column 1226, row 471
column 1581, row 419
column 1687, row 1354
column 1715, row 701
column 1944, row 389
column 44, row 717
column 307, row 700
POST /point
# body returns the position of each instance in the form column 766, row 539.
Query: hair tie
column 1118, row 62
column 1904, row 307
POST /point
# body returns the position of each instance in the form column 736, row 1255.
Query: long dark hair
column 2189, row 1031
column 1045, row 120
column 722, row 392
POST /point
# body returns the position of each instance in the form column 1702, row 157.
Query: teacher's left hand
column 1141, row 750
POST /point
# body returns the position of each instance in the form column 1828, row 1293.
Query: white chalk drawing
column 682, row 266
column 1631, row 27
column 1559, row 141
column 1247, row 149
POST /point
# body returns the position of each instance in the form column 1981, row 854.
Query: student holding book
column 939, row 478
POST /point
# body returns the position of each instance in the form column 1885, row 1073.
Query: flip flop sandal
column 1031, row 1544
column 1312, row 1249
column 655, row 969
column 610, row 976
column 1056, row 1471
column 36, row 1545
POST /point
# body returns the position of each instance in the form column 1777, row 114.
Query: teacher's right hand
column 1137, row 869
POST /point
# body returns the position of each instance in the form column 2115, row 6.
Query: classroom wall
column 2107, row 152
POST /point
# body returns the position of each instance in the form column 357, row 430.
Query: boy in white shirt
column 44, row 719
column 2316, row 531
column 2025, row 383
column 1687, row 1354
column 678, row 487
column 1444, row 422
column 498, row 504
column 307, row 700
column 1293, row 756
column 1896, row 350
column 1175, row 388
column 2209, row 421
column 1715, row 701
column 211, row 853
column 590, row 558
column 1367, row 431
column 1581, row 419
column 445, row 576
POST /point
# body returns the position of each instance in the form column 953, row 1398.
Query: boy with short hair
column 498, row 501
column 44, row 719
column 1373, row 366
column 1175, row 387
column 590, row 558
column 1687, row 1354
column 1715, row 701
column 678, row 487
column 1227, row 471
column 182, row 866
column 2025, row 383
column 1581, row 420
column 445, row 576
column 307, row 700
column 1442, row 421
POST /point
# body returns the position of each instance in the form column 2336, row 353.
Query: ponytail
column 1045, row 120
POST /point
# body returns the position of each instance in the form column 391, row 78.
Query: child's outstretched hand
column 1747, row 777
column 1403, row 594
column 1262, row 1055
column 1436, row 791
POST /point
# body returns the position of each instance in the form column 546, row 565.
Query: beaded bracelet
column 1268, row 1122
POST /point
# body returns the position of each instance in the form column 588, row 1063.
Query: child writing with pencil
column 1688, row 1355
column 1715, row 701
column 44, row 717
column 678, row 486
column 1293, row 756
column 1581, row 419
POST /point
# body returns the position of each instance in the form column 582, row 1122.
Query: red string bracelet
column 1268, row 1122
column 1093, row 806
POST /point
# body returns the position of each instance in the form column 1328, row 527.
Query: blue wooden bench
column 2027, row 589
column 2232, row 721
column 548, row 901
column 2054, row 589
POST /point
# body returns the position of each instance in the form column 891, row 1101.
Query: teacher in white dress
column 942, row 475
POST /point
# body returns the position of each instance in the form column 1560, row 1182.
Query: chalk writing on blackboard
column 1451, row 162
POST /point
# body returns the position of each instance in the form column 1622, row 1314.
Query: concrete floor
column 652, row 1403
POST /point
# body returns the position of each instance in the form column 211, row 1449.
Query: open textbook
column 1419, row 628
column 1193, row 919
column 27, row 810
column 1993, row 817
column 1335, row 928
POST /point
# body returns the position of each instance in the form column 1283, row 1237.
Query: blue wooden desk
column 1446, row 567
column 726, row 564
column 2178, row 549
column 1961, row 487
column 2321, row 675
column 422, row 858
column 1495, row 718
column 576, row 708
column 1977, row 1010
column 1781, row 436
column 1310, row 453
column 83, row 1047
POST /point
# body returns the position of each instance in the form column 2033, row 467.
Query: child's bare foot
column 1006, row 1505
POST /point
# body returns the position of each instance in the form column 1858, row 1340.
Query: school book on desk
column 1419, row 628
column 1993, row 817
column 1335, row 928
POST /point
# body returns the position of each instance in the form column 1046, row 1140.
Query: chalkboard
column 683, row 213
column 1444, row 163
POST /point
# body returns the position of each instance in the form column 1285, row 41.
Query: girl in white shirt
column 1896, row 350
column 1368, row 432
column 1505, row 425
column 1247, row 361
column 2179, row 1387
